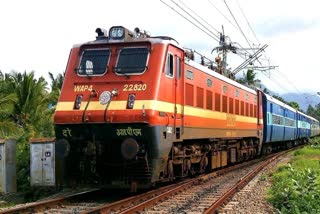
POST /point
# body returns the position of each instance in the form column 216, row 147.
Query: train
column 137, row 110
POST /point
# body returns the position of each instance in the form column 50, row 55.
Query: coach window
column 189, row 75
column 247, row 96
column 178, row 67
column 169, row 65
column 236, row 93
column 225, row 89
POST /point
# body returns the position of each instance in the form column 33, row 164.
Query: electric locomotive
column 136, row 110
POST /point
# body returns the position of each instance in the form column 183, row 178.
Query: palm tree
column 249, row 78
column 56, row 85
column 8, row 127
column 31, row 107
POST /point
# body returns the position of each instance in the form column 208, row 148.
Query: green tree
column 56, row 85
column 31, row 108
column 265, row 90
column 279, row 98
column 249, row 78
column 294, row 105
column 314, row 111
column 8, row 127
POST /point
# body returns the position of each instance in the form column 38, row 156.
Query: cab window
column 169, row 65
column 94, row 62
column 132, row 60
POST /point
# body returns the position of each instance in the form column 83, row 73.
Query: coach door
column 260, row 118
column 174, row 73
column 179, row 98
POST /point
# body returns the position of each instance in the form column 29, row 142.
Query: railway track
column 73, row 203
column 203, row 194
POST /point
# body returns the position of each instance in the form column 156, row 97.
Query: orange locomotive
column 138, row 110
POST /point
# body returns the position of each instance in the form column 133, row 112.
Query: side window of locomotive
column 94, row 62
column 169, row 65
column 132, row 61
column 178, row 67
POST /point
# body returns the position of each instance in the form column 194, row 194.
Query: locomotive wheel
column 170, row 170
column 186, row 166
column 203, row 163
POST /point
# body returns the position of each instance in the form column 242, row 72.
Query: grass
column 296, row 186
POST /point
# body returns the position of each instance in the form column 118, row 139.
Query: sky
column 37, row 35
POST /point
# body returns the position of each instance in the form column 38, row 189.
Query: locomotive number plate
column 135, row 87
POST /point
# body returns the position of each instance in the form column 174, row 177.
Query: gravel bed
column 252, row 198
column 15, row 200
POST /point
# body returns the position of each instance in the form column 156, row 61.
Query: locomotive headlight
column 114, row 92
column 116, row 32
column 131, row 99
column 77, row 102
column 105, row 97
column 129, row 148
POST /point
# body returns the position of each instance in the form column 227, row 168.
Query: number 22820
column 135, row 87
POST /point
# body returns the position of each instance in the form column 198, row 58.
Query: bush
column 296, row 186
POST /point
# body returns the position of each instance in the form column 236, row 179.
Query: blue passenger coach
column 303, row 126
column 315, row 127
column 279, row 121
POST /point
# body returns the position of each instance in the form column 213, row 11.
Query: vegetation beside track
column 296, row 185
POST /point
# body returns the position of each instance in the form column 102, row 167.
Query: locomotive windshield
column 94, row 62
column 132, row 61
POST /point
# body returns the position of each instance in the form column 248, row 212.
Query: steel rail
column 140, row 202
column 43, row 205
column 243, row 182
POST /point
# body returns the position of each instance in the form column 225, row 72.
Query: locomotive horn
column 102, row 33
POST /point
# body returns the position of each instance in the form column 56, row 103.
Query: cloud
column 281, row 25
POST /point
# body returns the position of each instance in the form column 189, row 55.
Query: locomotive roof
column 217, row 75
column 152, row 40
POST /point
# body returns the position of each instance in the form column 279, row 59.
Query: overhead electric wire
column 234, row 18
column 199, row 16
column 282, row 75
column 210, row 33
column 248, row 22
column 206, row 28
column 222, row 14
column 253, row 57
column 274, row 81
column 238, row 28
column 207, row 31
